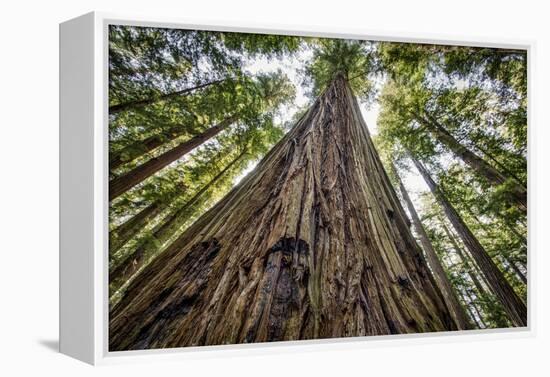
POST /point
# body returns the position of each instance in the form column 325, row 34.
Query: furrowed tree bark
column 142, row 147
column 513, row 305
column 493, row 176
column 132, row 105
column 162, row 232
column 312, row 244
column 123, row 183
column 441, row 278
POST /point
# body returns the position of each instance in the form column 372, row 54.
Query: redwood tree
column 518, row 192
column 451, row 298
column 132, row 105
column 123, row 183
column 248, row 101
column 162, row 232
column 141, row 147
column 313, row 243
column 512, row 303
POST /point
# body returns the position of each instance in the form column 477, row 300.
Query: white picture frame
column 84, row 190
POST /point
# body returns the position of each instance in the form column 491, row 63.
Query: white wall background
column 29, row 186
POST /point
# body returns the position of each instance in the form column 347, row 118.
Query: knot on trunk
column 293, row 254
column 404, row 282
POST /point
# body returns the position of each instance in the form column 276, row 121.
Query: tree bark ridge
column 313, row 243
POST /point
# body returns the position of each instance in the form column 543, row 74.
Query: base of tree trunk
column 312, row 244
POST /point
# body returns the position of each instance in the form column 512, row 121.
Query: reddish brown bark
column 312, row 244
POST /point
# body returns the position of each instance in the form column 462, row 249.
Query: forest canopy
column 198, row 118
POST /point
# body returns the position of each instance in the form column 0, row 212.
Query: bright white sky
column 291, row 67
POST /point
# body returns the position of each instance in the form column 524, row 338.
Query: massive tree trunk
column 140, row 148
column 132, row 105
column 162, row 233
column 126, row 181
column 514, row 306
column 493, row 176
column 312, row 244
column 441, row 278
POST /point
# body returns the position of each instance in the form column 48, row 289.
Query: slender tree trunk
column 162, row 233
column 123, row 183
column 508, row 225
column 441, row 278
column 313, row 243
column 465, row 292
column 474, row 318
column 493, row 176
column 465, row 261
column 132, row 105
column 511, row 302
column 501, row 166
column 512, row 269
column 506, row 261
column 142, row 147
column 520, row 274
column 119, row 236
column 478, row 314
column 519, row 236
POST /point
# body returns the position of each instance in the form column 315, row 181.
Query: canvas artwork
column 271, row 188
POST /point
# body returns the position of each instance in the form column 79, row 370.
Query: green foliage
column 147, row 63
column 478, row 96
column 261, row 44
column 461, row 269
column 351, row 58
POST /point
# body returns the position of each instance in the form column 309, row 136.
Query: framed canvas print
column 228, row 187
